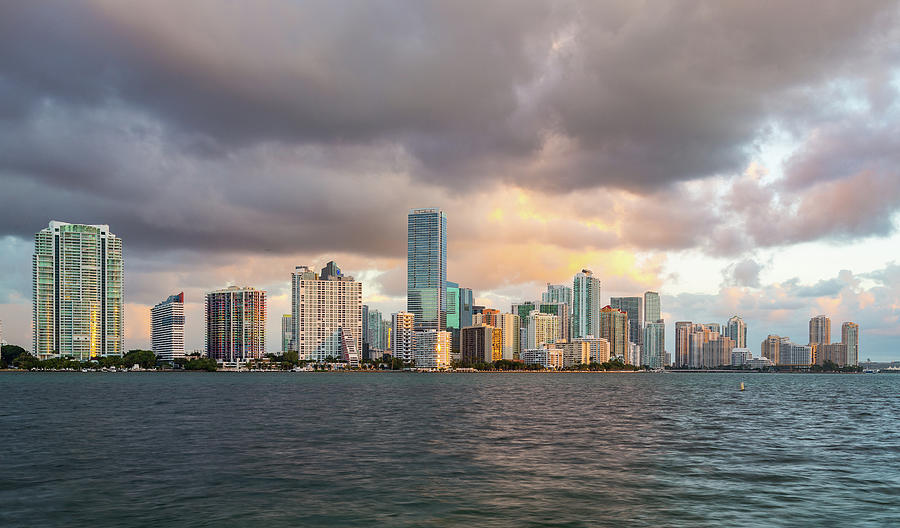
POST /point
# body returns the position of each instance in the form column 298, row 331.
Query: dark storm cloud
column 313, row 126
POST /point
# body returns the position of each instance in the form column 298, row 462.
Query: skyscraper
column 614, row 328
column 236, row 324
column 819, row 330
column 77, row 290
column 654, row 348
column 167, row 328
column 736, row 329
column 540, row 329
column 377, row 331
column 850, row 339
column 599, row 348
column 325, row 308
column 585, row 305
column 651, row 307
column 682, row 343
column 403, row 339
column 459, row 314
column 488, row 316
column 769, row 348
column 287, row 333
column 482, row 343
column 633, row 306
column 510, row 325
column 432, row 349
column 426, row 268
column 558, row 293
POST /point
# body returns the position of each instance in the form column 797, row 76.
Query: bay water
column 481, row 449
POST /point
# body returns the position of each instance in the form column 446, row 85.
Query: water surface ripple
column 200, row 449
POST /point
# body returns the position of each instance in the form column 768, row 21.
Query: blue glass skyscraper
column 426, row 268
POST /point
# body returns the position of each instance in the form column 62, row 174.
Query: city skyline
column 84, row 264
column 729, row 162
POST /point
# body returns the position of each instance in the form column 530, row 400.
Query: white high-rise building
column 77, row 290
column 432, row 349
column 585, row 305
column 403, row 338
column 325, row 309
column 740, row 356
column 167, row 328
column 541, row 329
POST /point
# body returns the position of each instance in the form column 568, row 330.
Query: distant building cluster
column 78, row 285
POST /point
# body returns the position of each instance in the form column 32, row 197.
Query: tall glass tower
column 426, row 268
column 586, row 305
column 78, row 292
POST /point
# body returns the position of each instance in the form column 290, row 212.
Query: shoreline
column 180, row 371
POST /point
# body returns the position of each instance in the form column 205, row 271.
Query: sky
column 736, row 157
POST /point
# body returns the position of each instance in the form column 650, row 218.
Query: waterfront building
column 541, row 329
column 236, row 324
column 740, row 356
column 699, row 353
column 791, row 354
column 634, row 307
column 737, row 329
column 549, row 358
column 325, row 308
column 574, row 353
column 559, row 309
column 850, row 339
column 634, row 354
column 652, row 307
column 598, row 348
column 403, row 339
column 769, row 348
column 459, row 306
column 716, row 351
column 759, row 363
column 482, row 343
column 682, row 343
column 614, row 328
column 432, row 349
column 819, row 330
column 563, row 312
column 585, row 304
column 167, row 328
column 654, row 348
column 834, row 352
column 558, row 293
column 377, row 331
column 426, row 268
column 77, row 292
column 510, row 325
column 349, row 352
column 287, row 333
column 365, row 330
column 714, row 327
